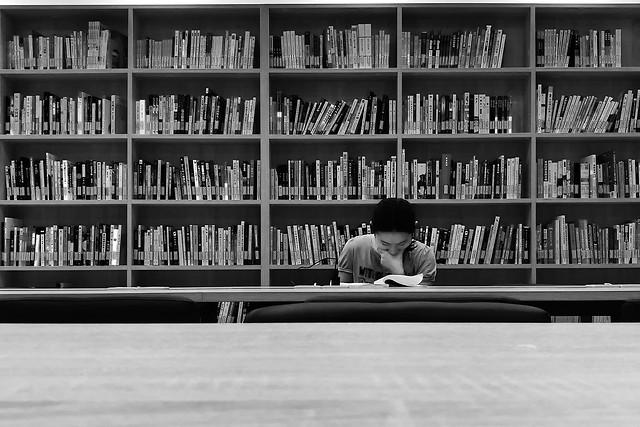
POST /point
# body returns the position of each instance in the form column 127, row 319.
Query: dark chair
column 413, row 296
column 630, row 311
column 100, row 309
column 399, row 311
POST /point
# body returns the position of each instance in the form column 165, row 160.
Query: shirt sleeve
column 425, row 263
column 345, row 261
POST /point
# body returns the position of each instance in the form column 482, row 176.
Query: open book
column 399, row 280
column 390, row 280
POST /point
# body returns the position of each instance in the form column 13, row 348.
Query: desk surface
column 289, row 293
column 320, row 374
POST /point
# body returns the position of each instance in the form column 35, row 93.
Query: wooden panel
column 458, row 374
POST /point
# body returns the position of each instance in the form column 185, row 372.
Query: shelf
column 588, row 136
column 194, row 73
column 66, row 73
column 581, row 201
column 314, row 139
column 302, row 267
column 517, row 78
column 173, row 203
column 59, row 203
column 194, row 267
column 477, row 73
column 349, row 202
column 595, row 72
column 477, row 202
column 469, row 137
column 31, row 269
column 197, row 139
column 62, row 139
column 337, row 72
column 587, row 266
column 464, row 267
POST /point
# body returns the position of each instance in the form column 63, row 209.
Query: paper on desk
column 389, row 280
column 400, row 280
column 364, row 285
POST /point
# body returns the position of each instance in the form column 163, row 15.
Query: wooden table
column 320, row 375
column 565, row 293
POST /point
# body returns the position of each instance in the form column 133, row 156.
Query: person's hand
column 391, row 263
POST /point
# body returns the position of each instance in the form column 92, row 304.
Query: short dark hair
column 393, row 214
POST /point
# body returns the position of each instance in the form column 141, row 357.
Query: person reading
column 390, row 249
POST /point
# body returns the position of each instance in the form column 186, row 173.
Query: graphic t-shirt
column 360, row 258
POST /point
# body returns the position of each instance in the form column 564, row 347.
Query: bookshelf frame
column 518, row 76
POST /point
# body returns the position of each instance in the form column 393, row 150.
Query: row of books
column 232, row 311
column 354, row 47
column 481, row 244
column 196, row 245
column 584, row 242
column 593, row 176
column 60, row 245
column 49, row 114
column 579, row 114
column 209, row 113
column 51, row 178
column 579, row 319
column 567, row 48
column 192, row 179
column 340, row 179
column 566, row 319
column 445, row 178
column 310, row 244
column 99, row 48
column 559, row 242
column 193, row 49
column 482, row 48
column 453, row 114
column 291, row 115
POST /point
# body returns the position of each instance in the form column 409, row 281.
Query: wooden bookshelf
column 517, row 78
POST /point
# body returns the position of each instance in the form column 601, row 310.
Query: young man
column 391, row 248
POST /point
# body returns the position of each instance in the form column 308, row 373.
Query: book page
column 364, row 285
column 400, row 280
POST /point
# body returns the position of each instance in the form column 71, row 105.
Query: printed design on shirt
column 368, row 275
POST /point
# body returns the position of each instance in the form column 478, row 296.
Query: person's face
column 393, row 242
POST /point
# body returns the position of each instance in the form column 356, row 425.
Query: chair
column 417, row 296
column 399, row 311
column 630, row 311
column 102, row 309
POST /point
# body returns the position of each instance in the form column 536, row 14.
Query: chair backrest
column 102, row 309
column 402, row 311
column 411, row 296
column 630, row 311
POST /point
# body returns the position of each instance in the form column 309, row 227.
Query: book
column 396, row 280
column 390, row 280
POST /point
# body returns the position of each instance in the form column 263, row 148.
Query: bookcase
column 393, row 29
